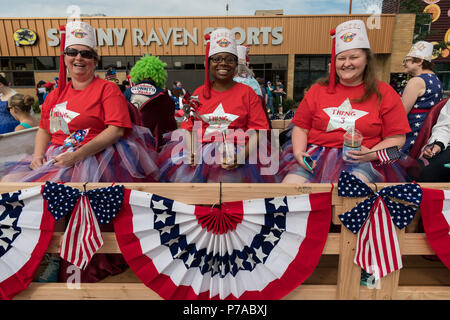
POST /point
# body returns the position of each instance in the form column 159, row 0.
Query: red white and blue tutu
column 131, row 159
column 174, row 164
column 329, row 165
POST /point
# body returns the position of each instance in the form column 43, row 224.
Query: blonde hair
column 21, row 102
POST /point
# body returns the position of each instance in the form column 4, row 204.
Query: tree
column 423, row 20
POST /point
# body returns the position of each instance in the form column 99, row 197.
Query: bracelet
column 440, row 144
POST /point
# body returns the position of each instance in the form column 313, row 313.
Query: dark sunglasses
column 86, row 54
column 227, row 59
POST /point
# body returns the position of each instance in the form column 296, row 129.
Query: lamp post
column 350, row 7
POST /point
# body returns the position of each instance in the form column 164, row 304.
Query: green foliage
column 35, row 107
column 289, row 104
column 422, row 19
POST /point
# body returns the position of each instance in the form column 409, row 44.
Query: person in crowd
column 210, row 152
column 435, row 162
column 85, row 134
column 178, row 93
column 279, row 96
column 40, row 91
column 111, row 73
column 263, row 91
column 148, row 96
column 351, row 99
column 19, row 106
column 243, row 72
column 270, row 93
column 7, row 121
column 422, row 92
column 49, row 86
column 85, row 127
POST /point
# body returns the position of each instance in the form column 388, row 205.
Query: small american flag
column 377, row 250
column 82, row 237
column 388, row 155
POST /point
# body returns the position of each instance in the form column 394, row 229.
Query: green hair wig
column 149, row 67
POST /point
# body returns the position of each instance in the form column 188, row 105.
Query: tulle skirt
column 174, row 163
column 329, row 165
column 131, row 159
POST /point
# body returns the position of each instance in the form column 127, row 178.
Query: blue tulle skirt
column 131, row 159
column 329, row 165
column 175, row 167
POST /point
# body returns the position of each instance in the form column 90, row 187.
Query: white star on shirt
column 159, row 205
column 218, row 120
column 60, row 117
column 278, row 202
column 343, row 116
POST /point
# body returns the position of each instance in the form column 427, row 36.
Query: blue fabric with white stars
column 246, row 259
column 431, row 97
column 401, row 214
column 10, row 210
column 105, row 202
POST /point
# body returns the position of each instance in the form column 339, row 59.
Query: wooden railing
column 341, row 244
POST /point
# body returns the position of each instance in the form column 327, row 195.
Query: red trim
column 435, row 225
column 300, row 268
column 414, row 111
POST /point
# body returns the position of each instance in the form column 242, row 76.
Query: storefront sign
column 176, row 36
column 24, row 37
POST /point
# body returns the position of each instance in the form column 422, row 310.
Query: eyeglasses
column 227, row 59
column 406, row 60
column 86, row 54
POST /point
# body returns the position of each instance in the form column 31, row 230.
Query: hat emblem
column 223, row 43
column 348, row 36
column 79, row 33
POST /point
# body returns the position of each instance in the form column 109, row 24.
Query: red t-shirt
column 98, row 105
column 236, row 108
column 329, row 116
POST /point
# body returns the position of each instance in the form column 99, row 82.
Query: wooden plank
column 413, row 293
column 88, row 291
column 312, row 292
column 199, row 193
column 349, row 274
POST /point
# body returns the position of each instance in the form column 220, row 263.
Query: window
column 45, row 63
column 308, row 68
column 270, row 67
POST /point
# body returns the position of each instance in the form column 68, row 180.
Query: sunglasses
column 227, row 59
column 406, row 60
column 86, row 54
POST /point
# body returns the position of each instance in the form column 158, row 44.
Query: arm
column 414, row 89
column 440, row 133
column 299, row 143
column 40, row 145
column 390, row 141
column 106, row 138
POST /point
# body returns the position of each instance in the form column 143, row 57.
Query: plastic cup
column 352, row 142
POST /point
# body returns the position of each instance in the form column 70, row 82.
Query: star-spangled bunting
column 435, row 210
column 251, row 249
column 82, row 237
column 26, row 228
column 373, row 220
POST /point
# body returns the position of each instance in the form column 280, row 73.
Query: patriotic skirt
column 132, row 159
column 174, row 164
column 329, row 165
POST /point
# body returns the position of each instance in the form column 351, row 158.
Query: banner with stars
column 26, row 228
column 435, row 209
column 251, row 249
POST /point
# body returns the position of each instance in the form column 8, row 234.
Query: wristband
column 440, row 144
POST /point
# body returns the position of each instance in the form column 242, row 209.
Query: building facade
column 294, row 49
